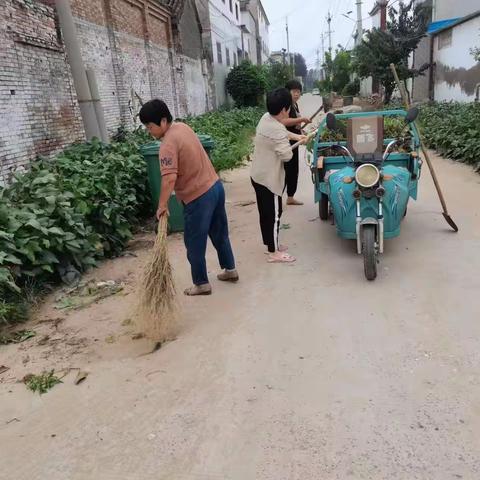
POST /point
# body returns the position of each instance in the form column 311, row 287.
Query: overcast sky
column 307, row 22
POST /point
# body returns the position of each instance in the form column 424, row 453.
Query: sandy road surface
column 300, row 372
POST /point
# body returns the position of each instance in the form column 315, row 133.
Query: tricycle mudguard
column 397, row 191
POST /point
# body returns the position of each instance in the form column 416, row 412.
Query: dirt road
column 299, row 372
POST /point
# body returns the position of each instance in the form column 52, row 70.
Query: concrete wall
column 131, row 46
column 421, row 84
column 226, row 37
column 263, row 34
column 456, row 71
column 250, row 39
column 444, row 9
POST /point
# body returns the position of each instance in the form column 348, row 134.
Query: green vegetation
column 277, row 75
column 246, row 84
column 453, row 130
column 405, row 29
column 66, row 214
column 232, row 131
column 41, row 383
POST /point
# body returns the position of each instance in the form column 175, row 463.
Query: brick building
column 138, row 49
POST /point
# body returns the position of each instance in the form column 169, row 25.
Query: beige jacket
column 272, row 149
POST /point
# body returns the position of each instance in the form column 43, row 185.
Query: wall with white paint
column 456, row 71
column 226, row 42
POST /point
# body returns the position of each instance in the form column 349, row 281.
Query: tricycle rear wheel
column 323, row 207
column 369, row 252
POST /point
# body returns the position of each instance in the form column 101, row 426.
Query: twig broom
column 157, row 308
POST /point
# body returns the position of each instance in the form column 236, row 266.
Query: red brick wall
column 126, row 42
column 39, row 110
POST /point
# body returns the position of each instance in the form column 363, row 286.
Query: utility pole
column 329, row 20
column 358, row 39
column 323, row 47
column 288, row 48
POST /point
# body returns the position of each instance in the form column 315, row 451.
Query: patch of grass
column 17, row 337
column 42, row 383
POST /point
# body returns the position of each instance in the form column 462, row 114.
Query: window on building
column 445, row 39
column 227, row 56
column 219, row 52
column 231, row 6
column 236, row 10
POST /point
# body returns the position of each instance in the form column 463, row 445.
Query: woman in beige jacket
column 272, row 150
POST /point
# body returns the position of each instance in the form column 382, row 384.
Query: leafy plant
column 231, row 130
column 17, row 337
column 405, row 29
column 246, row 84
column 352, row 88
column 338, row 69
column 41, row 383
column 67, row 213
column 452, row 129
column 277, row 75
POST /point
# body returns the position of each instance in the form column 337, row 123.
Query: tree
column 300, row 65
column 277, row 75
column 246, row 84
column 405, row 28
column 337, row 71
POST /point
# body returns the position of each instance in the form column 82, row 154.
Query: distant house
column 454, row 73
column 256, row 29
column 226, row 38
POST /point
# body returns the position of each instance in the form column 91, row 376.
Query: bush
column 352, row 88
column 65, row 214
column 62, row 216
column 452, row 129
column 246, row 84
column 277, row 75
column 232, row 131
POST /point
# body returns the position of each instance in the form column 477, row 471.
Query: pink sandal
column 281, row 257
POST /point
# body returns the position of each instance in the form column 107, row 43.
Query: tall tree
column 277, row 74
column 406, row 26
column 300, row 65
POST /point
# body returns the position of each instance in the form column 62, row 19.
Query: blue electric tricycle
column 365, row 182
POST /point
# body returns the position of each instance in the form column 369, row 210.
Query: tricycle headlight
column 367, row 175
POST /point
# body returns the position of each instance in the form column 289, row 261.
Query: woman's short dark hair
column 155, row 111
column 294, row 85
column 277, row 100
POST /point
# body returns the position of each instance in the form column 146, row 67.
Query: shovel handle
column 404, row 95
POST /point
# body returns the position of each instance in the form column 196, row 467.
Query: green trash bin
column 149, row 152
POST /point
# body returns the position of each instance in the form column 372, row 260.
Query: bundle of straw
column 157, row 307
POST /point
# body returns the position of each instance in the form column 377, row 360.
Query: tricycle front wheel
column 323, row 207
column 369, row 252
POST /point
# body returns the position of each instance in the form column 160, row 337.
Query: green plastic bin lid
column 150, row 149
column 153, row 147
column 207, row 141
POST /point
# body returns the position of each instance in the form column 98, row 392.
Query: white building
column 226, row 36
column 456, row 74
column 253, row 9
column 249, row 30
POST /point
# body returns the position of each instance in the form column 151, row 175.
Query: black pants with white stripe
column 291, row 173
column 270, row 211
